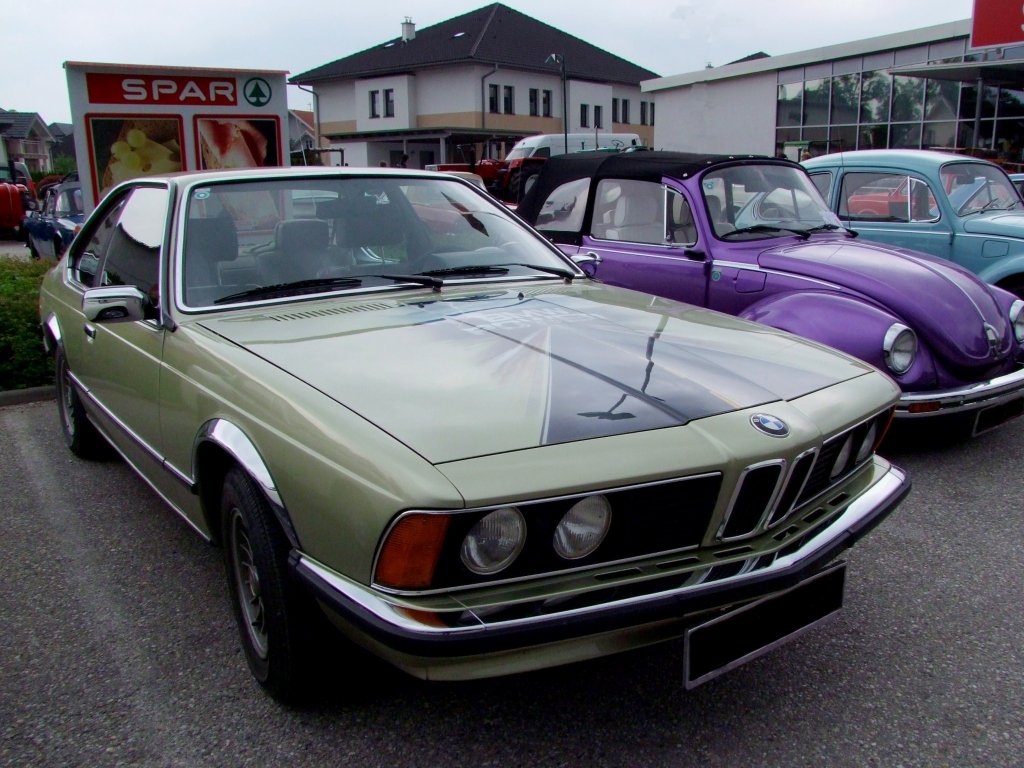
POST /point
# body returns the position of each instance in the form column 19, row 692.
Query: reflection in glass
column 790, row 104
column 816, row 96
column 907, row 98
column 906, row 136
column 845, row 98
column 874, row 97
column 873, row 137
column 939, row 135
column 940, row 99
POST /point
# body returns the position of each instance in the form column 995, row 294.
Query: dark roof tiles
column 494, row 34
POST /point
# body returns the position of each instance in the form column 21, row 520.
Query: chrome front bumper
column 390, row 623
column 973, row 397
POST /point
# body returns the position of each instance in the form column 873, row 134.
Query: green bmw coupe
column 398, row 408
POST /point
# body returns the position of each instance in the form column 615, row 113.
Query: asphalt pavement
column 15, row 248
column 118, row 647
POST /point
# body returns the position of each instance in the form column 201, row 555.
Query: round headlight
column 899, row 348
column 842, row 458
column 495, row 541
column 583, row 528
column 868, row 443
column 1017, row 320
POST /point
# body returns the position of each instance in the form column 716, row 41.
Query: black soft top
column 644, row 165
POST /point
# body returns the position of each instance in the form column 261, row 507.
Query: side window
column 133, row 251
column 682, row 230
column 631, row 211
column 84, row 264
column 48, row 203
column 886, row 197
column 563, row 209
column 823, row 183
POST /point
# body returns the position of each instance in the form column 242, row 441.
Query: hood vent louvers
column 312, row 313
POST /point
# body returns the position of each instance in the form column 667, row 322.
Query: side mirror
column 114, row 304
column 588, row 262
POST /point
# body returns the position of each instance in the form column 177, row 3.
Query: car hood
column 471, row 374
column 946, row 306
column 1000, row 223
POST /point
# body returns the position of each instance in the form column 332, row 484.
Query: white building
column 916, row 89
column 468, row 88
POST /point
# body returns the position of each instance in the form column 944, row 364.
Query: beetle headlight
column 583, row 528
column 899, row 348
column 1017, row 320
column 495, row 541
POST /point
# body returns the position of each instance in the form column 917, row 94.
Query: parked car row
column 410, row 419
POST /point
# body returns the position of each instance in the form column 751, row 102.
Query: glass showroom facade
column 860, row 103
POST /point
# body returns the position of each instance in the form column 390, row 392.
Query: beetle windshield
column 294, row 236
column 975, row 187
column 754, row 202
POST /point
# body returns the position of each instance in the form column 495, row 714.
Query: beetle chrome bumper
column 985, row 394
column 389, row 623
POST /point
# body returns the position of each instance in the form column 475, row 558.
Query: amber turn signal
column 410, row 552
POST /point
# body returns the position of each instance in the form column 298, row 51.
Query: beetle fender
column 852, row 325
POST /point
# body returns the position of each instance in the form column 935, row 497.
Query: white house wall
column 735, row 115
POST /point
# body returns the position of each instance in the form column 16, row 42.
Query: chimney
column 408, row 30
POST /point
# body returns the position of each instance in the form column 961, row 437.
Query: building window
column 374, row 103
column 389, row 102
column 598, row 116
column 534, row 102
column 584, row 115
column 650, row 115
column 509, row 105
column 546, row 103
column 643, row 113
column 615, row 110
column 625, row 111
column 492, row 98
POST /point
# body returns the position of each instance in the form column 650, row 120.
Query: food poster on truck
column 138, row 120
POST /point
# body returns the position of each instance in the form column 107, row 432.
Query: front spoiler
column 384, row 621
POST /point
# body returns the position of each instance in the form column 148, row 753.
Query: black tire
column 513, row 186
column 79, row 433
column 1014, row 285
column 277, row 621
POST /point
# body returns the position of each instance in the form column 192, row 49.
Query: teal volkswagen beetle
column 402, row 412
column 952, row 206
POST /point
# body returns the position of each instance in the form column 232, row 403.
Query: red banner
column 997, row 22
column 106, row 88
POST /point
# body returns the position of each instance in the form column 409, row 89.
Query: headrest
column 302, row 235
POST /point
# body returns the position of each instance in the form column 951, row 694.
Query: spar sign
column 133, row 121
column 997, row 22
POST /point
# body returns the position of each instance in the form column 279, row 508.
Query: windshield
column 296, row 236
column 975, row 187
column 754, row 202
column 520, row 151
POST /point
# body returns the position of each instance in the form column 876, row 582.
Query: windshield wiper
column 802, row 233
column 833, row 228
column 295, row 287
column 501, row 269
column 431, row 282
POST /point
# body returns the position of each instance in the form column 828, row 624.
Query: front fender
column 843, row 322
column 1007, row 271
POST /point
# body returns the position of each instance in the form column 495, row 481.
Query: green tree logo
column 257, row 91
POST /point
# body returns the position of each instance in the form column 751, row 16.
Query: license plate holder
column 728, row 640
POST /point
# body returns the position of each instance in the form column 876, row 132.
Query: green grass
column 22, row 360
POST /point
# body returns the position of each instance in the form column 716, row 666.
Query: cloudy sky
column 666, row 36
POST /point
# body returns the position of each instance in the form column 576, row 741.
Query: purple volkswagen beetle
column 751, row 236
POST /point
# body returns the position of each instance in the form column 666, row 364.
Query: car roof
column 645, row 165
column 910, row 158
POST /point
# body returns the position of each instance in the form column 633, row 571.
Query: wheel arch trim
column 232, row 440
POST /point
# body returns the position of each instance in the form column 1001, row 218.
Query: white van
column 549, row 144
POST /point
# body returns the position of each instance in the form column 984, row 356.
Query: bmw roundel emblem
column 769, row 425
